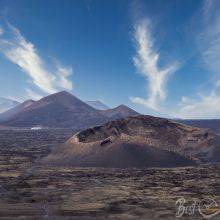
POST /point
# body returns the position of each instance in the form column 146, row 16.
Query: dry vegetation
column 29, row 191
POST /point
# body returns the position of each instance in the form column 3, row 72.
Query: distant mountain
column 61, row 110
column 121, row 111
column 213, row 124
column 16, row 110
column 6, row 104
column 138, row 141
column 97, row 105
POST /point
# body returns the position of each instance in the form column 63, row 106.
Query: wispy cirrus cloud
column 206, row 35
column 146, row 62
column 63, row 73
column 24, row 54
column 208, row 44
column 207, row 6
column 1, row 31
column 30, row 94
column 203, row 107
column 208, row 40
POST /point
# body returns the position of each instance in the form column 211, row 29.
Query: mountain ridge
column 63, row 110
column 97, row 105
column 17, row 109
column 6, row 104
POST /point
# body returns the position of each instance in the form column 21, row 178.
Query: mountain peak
column 61, row 97
column 6, row 104
column 59, row 94
column 62, row 93
column 125, row 108
column 122, row 107
column 62, row 109
column 28, row 103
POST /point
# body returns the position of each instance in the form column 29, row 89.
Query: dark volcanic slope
column 58, row 110
column 120, row 154
column 61, row 110
column 213, row 124
column 140, row 141
column 121, row 111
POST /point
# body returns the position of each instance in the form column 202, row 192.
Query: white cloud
column 1, row 31
column 205, row 107
column 207, row 6
column 146, row 62
column 29, row 94
column 207, row 36
column 24, row 54
column 208, row 42
column 15, row 98
column 209, row 45
column 62, row 74
column 32, row 95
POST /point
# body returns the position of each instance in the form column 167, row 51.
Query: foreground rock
column 140, row 141
column 60, row 193
column 96, row 193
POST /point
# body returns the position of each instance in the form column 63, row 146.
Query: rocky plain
column 31, row 191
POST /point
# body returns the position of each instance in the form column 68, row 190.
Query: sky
column 157, row 57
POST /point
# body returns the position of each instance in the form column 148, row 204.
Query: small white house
column 36, row 128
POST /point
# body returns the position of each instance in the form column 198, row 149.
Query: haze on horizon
column 157, row 57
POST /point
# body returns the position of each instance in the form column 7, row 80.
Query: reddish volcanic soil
column 139, row 141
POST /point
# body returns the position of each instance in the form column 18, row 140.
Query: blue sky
column 158, row 57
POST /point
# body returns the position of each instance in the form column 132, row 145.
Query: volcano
column 139, row 141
